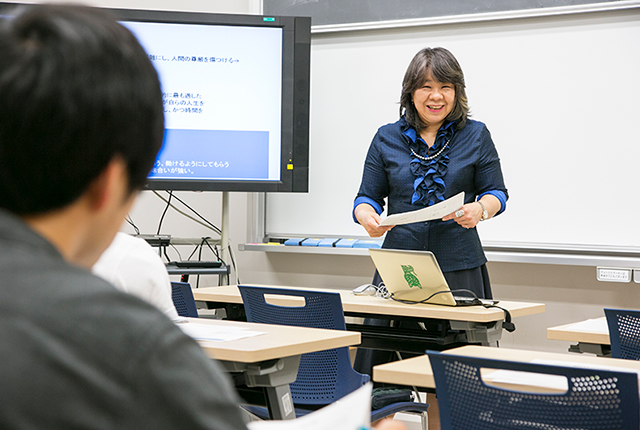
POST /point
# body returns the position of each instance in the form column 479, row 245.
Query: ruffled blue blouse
column 429, row 165
column 401, row 171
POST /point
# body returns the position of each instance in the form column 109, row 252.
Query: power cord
column 202, row 221
column 507, row 324
column 166, row 208
column 475, row 300
column 206, row 224
column 132, row 224
column 210, row 224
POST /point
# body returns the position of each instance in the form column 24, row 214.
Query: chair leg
column 424, row 420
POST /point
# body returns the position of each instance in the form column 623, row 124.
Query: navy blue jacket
column 473, row 167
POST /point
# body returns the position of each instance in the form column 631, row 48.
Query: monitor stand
column 225, row 255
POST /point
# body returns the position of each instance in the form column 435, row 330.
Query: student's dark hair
column 444, row 68
column 76, row 91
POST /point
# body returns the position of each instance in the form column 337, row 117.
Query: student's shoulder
column 118, row 318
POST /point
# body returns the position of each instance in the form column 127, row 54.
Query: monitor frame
column 296, row 53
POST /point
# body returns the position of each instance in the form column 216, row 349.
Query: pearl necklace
column 433, row 156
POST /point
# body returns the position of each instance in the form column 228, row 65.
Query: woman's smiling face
column 434, row 101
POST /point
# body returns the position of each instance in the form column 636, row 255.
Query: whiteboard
column 559, row 94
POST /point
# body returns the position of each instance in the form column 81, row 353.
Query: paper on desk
column 581, row 365
column 352, row 412
column 436, row 211
column 216, row 333
column 587, row 366
column 595, row 325
column 529, row 379
column 554, row 382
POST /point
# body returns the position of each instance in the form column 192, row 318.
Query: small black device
column 198, row 264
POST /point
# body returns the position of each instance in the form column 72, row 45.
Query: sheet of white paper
column 352, row 412
column 587, row 366
column 595, row 325
column 216, row 333
column 580, row 365
column 436, row 211
column 530, row 379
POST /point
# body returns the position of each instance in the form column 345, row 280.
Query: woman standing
column 433, row 152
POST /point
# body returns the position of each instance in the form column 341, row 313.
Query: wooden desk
column 467, row 324
column 417, row 371
column 270, row 360
column 591, row 336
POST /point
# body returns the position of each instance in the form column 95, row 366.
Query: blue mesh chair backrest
column 595, row 399
column 324, row 376
column 183, row 299
column 624, row 332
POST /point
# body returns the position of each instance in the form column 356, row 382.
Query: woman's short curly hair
column 443, row 67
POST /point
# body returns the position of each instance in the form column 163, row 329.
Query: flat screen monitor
column 236, row 99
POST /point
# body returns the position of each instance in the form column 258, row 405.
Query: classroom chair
column 183, row 299
column 324, row 376
column 594, row 399
column 624, row 333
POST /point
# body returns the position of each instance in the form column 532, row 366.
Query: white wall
column 535, row 82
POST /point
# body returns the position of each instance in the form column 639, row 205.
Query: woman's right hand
column 370, row 220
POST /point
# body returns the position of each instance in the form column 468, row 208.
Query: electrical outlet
column 613, row 274
column 636, row 276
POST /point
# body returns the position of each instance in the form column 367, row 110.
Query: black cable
column 216, row 228
column 476, row 300
column 164, row 250
column 193, row 252
column 507, row 324
column 199, row 259
column 165, row 212
column 176, row 250
column 213, row 250
column 132, row 224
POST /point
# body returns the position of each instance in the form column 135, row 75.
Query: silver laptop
column 413, row 276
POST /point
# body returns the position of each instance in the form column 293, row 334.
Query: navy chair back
column 594, row 400
column 183, row 299
column 624, row 332
column 323, row 376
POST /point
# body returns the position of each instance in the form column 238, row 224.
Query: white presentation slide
column 220, row 84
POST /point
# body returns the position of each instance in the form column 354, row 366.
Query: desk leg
column 591, row 348
column 280, row 403
column 275, row 376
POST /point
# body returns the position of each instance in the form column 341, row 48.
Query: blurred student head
column 81, row 122
column 76, row 92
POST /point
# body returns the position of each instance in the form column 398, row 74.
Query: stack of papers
column 213, row 332
column 551, row 382
column 437, row 211
column 595, row 325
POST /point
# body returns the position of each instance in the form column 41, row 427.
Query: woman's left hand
column 469, row 215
